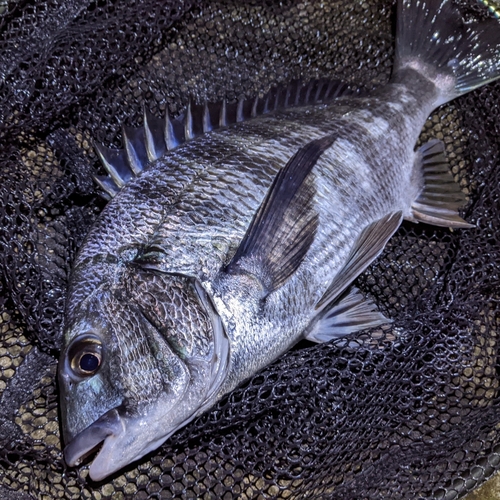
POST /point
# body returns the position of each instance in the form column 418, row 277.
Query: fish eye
column 89, row 362
column 85, row 356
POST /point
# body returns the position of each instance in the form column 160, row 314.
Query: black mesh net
column 406, row 411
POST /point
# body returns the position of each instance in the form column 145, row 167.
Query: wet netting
column 410, row 410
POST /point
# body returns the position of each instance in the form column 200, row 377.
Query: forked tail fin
column 433, row 39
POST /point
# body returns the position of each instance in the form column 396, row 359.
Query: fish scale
column 255, row 228
column 149, row 291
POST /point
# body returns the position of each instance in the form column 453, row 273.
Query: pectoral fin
column 284, row 227
column 440, row 199
column 369, row 245
column 351, row 314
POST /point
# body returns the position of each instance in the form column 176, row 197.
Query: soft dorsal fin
column 146, row 144
column 440, row 199
column 284, row 227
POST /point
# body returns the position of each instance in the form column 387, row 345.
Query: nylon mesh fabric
column 407, row 411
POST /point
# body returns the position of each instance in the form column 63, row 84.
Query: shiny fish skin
column 168, row 310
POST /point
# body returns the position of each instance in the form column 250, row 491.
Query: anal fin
column 440, row 198
column 352, row 313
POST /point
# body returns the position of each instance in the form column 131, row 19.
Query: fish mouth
column 108, row 427
column 119, row 439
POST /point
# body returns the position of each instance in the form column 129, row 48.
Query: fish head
column 142, row 357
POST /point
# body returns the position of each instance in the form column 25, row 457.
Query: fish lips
column 107, row 429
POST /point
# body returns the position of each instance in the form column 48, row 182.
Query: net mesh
column 406, row 411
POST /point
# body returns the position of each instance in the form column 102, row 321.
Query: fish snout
column 81, row 445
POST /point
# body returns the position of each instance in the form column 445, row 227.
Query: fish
column 237, row 229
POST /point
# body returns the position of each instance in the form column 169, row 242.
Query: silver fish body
column 204, row 269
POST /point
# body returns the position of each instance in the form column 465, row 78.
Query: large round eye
column 85, row 356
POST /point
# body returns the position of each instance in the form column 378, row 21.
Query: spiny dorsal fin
column 148, row 143
column 285, row 225
column 440, row 199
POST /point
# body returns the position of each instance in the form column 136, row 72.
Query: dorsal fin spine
column 188, row 123
column 318, row 91
column 207, row 125
column 104, row 155
column 154, row 133
column 254, row 107
column 170, row 140
column 297, row 93
column 132, row 156
column 279, row 92
column 265, row 109
column 306, row 94
column 148, row 135
column 328, row 90
column 223, row 114
column 108, row 186
column 239, row 111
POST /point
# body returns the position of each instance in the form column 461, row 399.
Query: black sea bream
column 236, row 231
